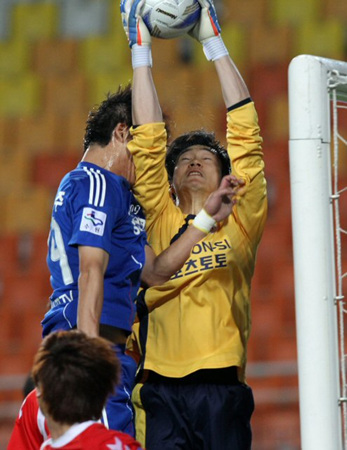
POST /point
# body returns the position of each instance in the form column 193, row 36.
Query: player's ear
column 121, row 132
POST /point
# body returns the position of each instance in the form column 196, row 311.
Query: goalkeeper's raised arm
column 145, row 103
column 208, row 32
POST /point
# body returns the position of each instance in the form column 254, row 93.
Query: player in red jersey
column 31, row 430
column 73, row 374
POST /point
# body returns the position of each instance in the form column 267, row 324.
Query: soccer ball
column 168, row 19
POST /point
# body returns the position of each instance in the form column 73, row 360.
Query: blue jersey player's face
column 197, row 169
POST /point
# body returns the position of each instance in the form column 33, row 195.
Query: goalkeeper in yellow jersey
column 192, row 331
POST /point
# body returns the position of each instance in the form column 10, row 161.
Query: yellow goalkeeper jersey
column 200, row 318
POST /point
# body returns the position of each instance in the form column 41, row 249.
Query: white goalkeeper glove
column 207, row 32
column 137, row 33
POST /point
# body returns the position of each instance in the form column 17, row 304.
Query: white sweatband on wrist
column 141, row 55
column 214, row 48
column 204, row 222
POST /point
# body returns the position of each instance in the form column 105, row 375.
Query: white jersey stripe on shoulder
column 41, row 424
column 97, row 189
column 103, row 192
column 97, row 186
column 91, row 187
column 105, row 418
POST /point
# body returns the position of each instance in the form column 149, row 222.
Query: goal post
column 313, row 248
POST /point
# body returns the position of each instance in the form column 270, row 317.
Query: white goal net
column 337, row 87
column 318, row 156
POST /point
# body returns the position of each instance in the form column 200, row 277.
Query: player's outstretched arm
column 145, row 103
column 218, row 206
column 208, row 33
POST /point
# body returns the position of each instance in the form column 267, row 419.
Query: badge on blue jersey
column 93, row 221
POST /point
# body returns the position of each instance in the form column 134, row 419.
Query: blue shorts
column 119, row 409
column 196, row 414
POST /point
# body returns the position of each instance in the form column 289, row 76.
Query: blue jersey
column 94, row 207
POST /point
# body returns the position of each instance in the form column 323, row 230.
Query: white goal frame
column 313, row 247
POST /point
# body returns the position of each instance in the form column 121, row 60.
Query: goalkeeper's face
column 197, row 170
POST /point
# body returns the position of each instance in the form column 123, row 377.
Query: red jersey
column 92, row 435
column 30, row 428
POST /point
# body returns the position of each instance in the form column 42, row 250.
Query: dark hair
column 104, row 118
column 198, row 137
column 76, row 373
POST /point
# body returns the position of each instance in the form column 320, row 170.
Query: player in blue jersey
column 98, row 253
